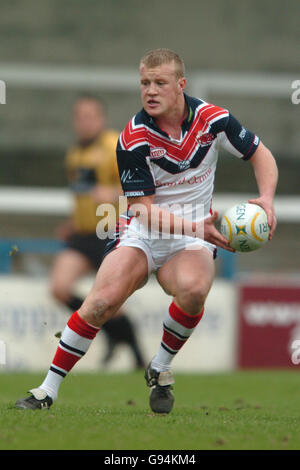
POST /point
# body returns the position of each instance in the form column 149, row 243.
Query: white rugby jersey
column 180, row 173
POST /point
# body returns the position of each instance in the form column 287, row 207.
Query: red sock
column 74, row 343
column 178, row 327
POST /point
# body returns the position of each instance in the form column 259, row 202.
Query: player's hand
column 212, row 235
column 104, row 194
column 64, row 230
column 267, row 205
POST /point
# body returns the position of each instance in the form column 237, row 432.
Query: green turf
column 241, row 410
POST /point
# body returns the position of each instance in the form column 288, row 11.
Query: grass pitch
column 240, row 410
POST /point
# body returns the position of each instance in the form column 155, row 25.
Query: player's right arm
column 151, row 215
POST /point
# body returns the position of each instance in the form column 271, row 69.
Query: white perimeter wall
column 29, row 319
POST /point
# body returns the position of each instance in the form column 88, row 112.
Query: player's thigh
column 122, row 271
column 68, row 266
column 189, row 271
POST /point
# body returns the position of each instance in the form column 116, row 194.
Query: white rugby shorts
column 158, row 251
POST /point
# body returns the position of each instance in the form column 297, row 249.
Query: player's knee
column 192, row 298
column 98, row 309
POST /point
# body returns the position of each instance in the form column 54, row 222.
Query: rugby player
column 167, row 156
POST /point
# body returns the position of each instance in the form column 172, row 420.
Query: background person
column 93, row 177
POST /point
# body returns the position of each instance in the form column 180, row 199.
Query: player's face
column 88, row 119
column 161, row 90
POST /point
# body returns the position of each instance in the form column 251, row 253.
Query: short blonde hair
column 158, row 57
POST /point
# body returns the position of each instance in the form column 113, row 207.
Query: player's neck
column 171, row 123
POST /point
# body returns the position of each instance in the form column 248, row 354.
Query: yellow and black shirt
column 87, row 167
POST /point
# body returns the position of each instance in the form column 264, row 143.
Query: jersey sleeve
column 135, row 173
column 133, row 157
column 235, row 138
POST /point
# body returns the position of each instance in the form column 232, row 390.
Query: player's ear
column 181, row 83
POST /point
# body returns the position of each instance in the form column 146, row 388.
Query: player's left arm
column 266, row 174
column 243, row 143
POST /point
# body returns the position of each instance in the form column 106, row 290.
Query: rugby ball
column 245, row 226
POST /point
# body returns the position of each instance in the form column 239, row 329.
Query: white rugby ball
column 245, row 226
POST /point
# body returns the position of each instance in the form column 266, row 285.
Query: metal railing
column 10, row 246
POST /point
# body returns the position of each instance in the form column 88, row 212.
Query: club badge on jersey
column 204, row 138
